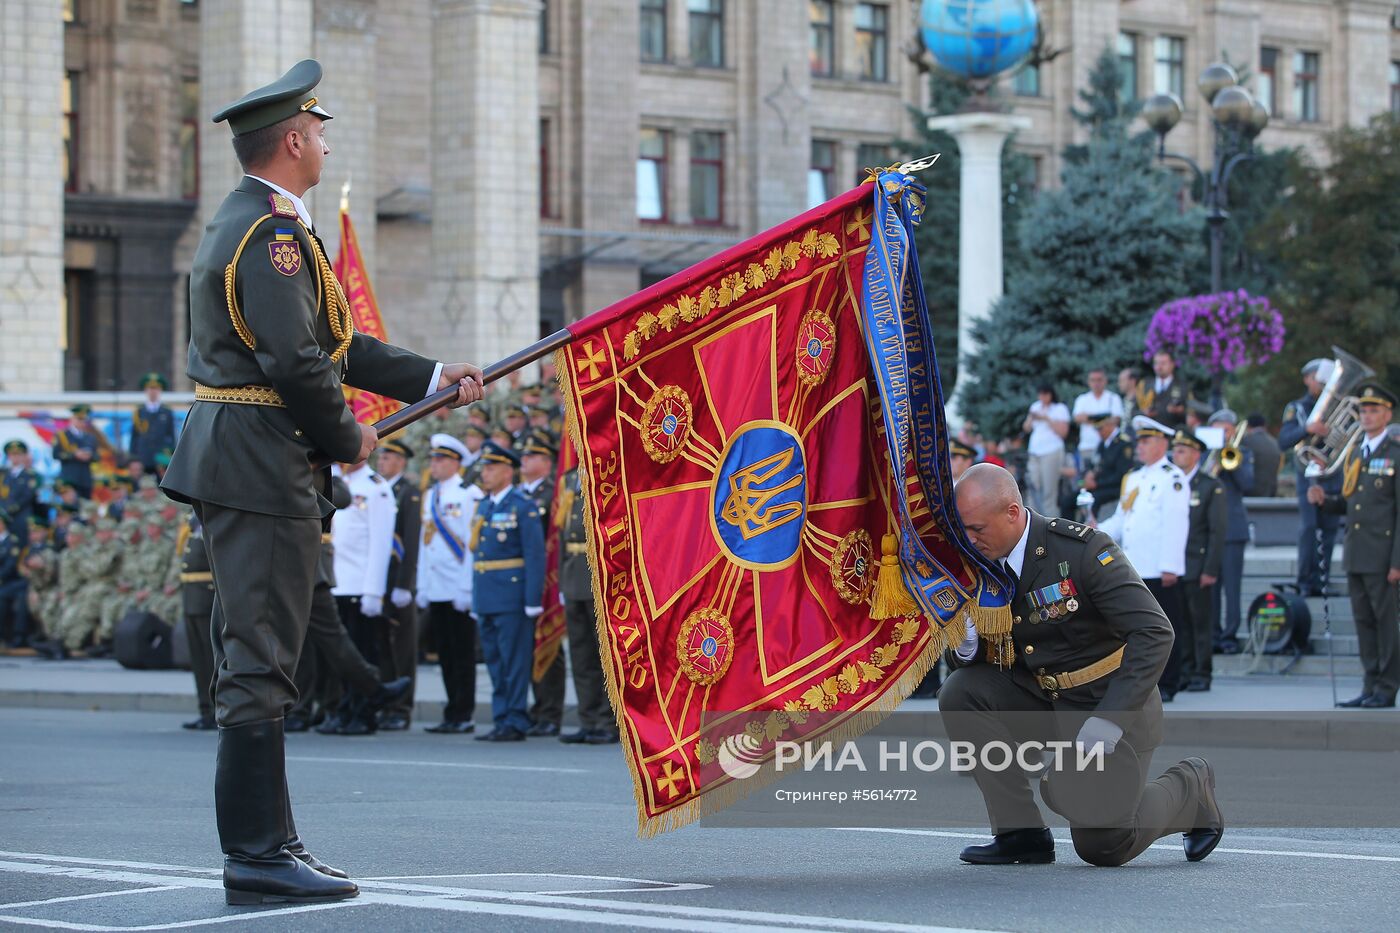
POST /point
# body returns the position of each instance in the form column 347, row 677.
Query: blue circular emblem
column 760, row 496
column 814, row 348
column 668, row 425
column 709, row 646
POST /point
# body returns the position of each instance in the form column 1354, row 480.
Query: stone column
column 346, row 44
column 484, row 297
column 241, row 46
column 31, row 197
column 1364, row 61
column 980, row 138
column 776, row 127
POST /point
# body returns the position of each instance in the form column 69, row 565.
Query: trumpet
column 1229, row 457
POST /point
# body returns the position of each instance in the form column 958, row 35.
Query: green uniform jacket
column 1113, row 610
column 1205, row 536
column 256, row 457
column 408, row 532
column 196, row 576
column 1372, row 510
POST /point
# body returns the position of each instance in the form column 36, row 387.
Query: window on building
column 544, row 27
column 546, row 194
column 1395, row 88
column 707, row 33
column 1026, row 82
column 870, row 155
column 873, row 40
column 653, row 30
column 651, row 175
column 1305, row 72
column 822, row 56
column 189, row 138
column 1268, row 78
column 1128, row 64
column 821, row 174
column 70, row 131
column 1169, row 73
column 707, row 177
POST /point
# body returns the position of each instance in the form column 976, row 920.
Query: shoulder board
column 375, row 477
column 1166, row 466
column 1289, row 409
column 1069, row 529
column 282, row 205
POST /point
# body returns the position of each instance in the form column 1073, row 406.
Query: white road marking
column 88, row 897
column 664, row 886
column 438, row 764
column 240, row 917
column 110, row 863
column 1168, row 846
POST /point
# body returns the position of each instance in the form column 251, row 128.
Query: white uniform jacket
column 448, row 510
column 1154, row 514
column 363, row 535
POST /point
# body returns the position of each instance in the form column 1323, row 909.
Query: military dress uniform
column 1088, row 639
column 197, row 603
column 69, row 444
column 1205, row 556
column 14, row 589
column 1115, row 462
column 507, row 544
column 445, row 584
column 1314, row 565
column 1370, row 501
column 1164, row 403
column 398, row 647
column 152, row 428
column 272, row 343
column 19, row 491
column 41, row 569
column 547, row 713
column 1151, row 524
column 597, row 726
column 1237, row 483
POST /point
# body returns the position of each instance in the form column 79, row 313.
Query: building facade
column 514, row 164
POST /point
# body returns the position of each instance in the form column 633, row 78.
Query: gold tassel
column 890, row 598
column 562, row 507
column 476, row 534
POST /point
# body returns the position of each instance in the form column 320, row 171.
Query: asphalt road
column 106, row 823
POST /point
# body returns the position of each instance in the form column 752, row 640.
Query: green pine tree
column 1097, row 257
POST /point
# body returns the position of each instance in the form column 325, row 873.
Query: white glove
column 967, row 650
column 561, row 599
column 462, row 604
column 423, row 600
column 533, row 612
column 1098, row 730
column 400, row 597
column 371, row 605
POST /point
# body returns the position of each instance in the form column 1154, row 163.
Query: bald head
column 989, row 503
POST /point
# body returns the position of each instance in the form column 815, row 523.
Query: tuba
column 1336, row 408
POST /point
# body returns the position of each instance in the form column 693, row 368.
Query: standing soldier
column 41, row 568
column 153, row 426
column 595, row 717
column 445, row 579
column 19, row 486
column 1237, row 483
column 537, row 452
column 1166, row 397
column 398, row 646
column 272, row 342
column 507, row 545
column 1151, row 526
column 76, row 447
column 14, row 586
column 197, row 601
column 1205, row 554
column 1317, row 527
column 1371, row 554
column 1105, row 481
column 473, row 436
column 65, row 633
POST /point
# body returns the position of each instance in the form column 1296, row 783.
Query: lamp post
column 1236, row 117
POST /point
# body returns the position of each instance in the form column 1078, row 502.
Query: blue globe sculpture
column 978, row 38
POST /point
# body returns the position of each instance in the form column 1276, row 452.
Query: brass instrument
column 1336, row 408
column 1229, row 457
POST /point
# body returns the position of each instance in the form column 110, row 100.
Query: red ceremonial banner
column 740, row 504
column 349, row 267
column 550, row 626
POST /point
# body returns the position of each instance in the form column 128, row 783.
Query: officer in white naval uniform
column 445, row 579
column 363, row 536
column 1153, row 517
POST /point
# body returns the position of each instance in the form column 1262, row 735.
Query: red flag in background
column 549, row 627
column 350, row 269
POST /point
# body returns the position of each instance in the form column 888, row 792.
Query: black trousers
column 455, row 634
column 398, row 652
column 1376, row 610
column 1170, row 599
column 1227, row 591
column 14, row 608
column 1314, row 569
column 265, row 572
column 594, row 711
column 201, row 644
column 1197, row 640
column 549, row 693
column 330, row 665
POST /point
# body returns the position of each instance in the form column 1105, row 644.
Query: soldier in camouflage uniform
column 69, row 627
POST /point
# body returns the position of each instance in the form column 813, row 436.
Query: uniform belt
column 576, row 547
column 511, row 563
column 206, row 576
column 240, row 395
column 1082, row 676
column 325, row 537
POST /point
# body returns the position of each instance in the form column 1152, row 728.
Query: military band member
column 271, row 339
column 597, row 726
column 1237, row 484
column 1089, row 645
column 1205, row 554
column 153, row 426
column 1317, row 527
column 1115, row 459
column 197, row 601
column 76, row 447
column 1163, row 397
column 19, row 486
column 1371, row 555
column 507, row 544
column 537, row 453
column 1151, row 526
column 398, row 648
column 445, row 579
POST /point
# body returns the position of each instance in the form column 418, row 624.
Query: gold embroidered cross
column 670, row 780
column 860, row 225
column 593, row 358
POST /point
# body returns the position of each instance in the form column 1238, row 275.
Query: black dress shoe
column 1355, row 701
column 281, row 879
column 1198, row 685
column 295, row 724
column 462, row 728
column 1168, row 696
column 576, row 738
column 357, row 726
column 1230, row 646
column 202, row 724
column 602, row 737
column 543, row 729
column 1020, row 847
column 1202, row 841
column 1376, row 701
column 388, row 692
column 298, row 849
column 52, row 650
column 442, row 728
column 506, row 734
column 394, row 723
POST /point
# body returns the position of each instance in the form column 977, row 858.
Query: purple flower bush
column 1222, row 332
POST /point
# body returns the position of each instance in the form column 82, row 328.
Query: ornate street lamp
column 1236, row 117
